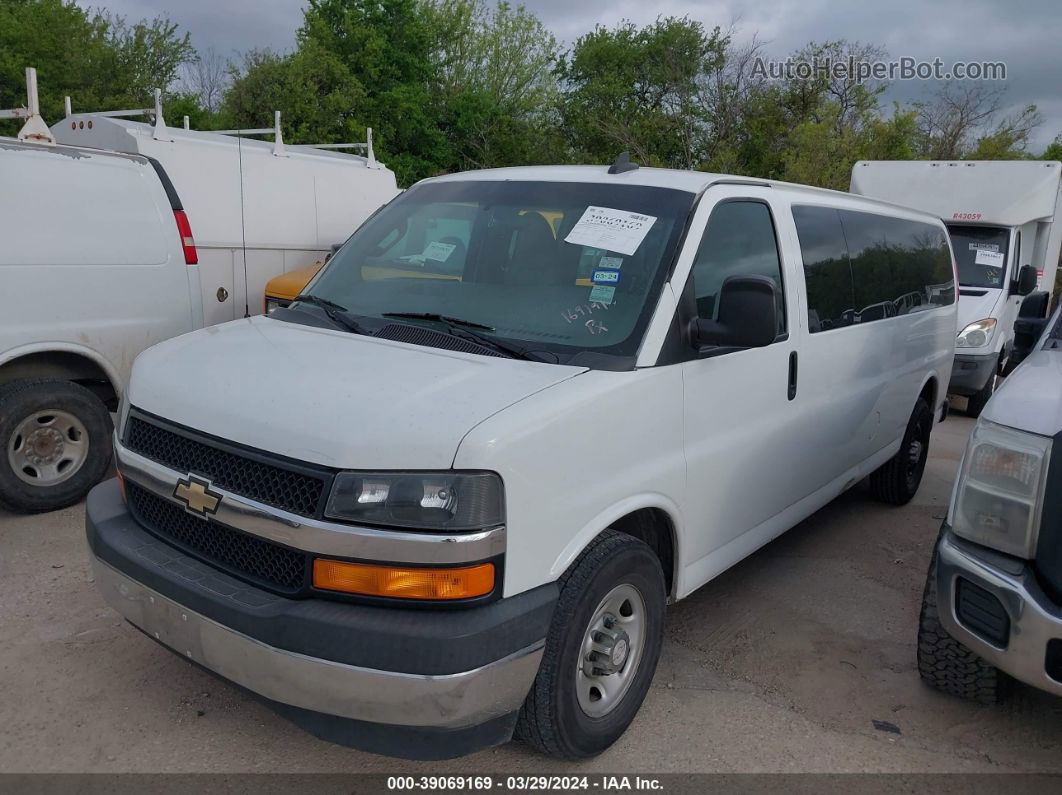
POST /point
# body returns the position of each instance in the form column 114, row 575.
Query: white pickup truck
column 1001, row 216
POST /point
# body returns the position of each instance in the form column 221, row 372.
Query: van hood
column 330, row 397
column 977, row 307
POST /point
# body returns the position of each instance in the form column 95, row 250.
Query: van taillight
column 187, row 241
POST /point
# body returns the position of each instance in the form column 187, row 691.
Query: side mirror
column 748, row 315
column 1027, row 280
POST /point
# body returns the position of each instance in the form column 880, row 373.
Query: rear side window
column 898, row 266
column 827, row 270
column 861, row 267
column 739, row 241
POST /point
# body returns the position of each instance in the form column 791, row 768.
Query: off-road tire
column 551, row 720
column 946, row 664
column 18, row 400
column 894, row 482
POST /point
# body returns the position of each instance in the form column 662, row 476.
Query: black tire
column 975, row 404
column 946, row 664
column 21, row 399
column 897, row 480
column 551, row 720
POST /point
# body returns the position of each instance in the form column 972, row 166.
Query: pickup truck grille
column 262, row 562
column 278, row 484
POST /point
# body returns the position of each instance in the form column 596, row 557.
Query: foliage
column 99, row 60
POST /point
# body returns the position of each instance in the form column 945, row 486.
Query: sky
column 1024, row 34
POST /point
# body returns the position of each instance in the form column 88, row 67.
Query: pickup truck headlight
column 977, row 334
column 275, row 303
column 998, row 498
column 431, row 501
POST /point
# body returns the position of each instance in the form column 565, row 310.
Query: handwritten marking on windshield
column 581, row 311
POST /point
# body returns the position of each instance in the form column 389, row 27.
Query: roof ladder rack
column 370, row 155
column 161, row 132
column 35, row 128
column 278, row 137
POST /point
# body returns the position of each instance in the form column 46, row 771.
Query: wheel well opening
column 654, row 527
column 929, row 392
column 62, row 365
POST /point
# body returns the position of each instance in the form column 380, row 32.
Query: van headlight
column 432, row 501
column 998, row 499
column 977, row 334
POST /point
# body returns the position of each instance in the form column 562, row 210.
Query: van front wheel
column 601, row 651
column 897, row 480
column 56, row 438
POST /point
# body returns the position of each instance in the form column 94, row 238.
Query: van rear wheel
column 897, row 480
column 56, row 438
column 601, row 651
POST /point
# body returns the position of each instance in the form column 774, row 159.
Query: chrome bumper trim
column 1033, row 619
column 313, row 535
column 451, row 701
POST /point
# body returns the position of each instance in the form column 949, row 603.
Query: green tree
column 102, row 62
column 636, row 89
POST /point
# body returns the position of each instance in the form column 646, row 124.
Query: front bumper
column 970, row 373
column 1034, row 619
column 404, row 682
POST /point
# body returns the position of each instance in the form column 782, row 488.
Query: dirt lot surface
column 783, row 663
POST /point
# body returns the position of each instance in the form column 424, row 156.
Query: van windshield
column 981, row 254
column 551, row 266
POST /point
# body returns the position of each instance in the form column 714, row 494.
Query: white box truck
column 265, row 205
column 1001, row 216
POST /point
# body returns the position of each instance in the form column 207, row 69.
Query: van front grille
column 261, row 562
column 268, row 483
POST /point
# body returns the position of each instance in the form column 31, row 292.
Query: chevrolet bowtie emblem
column 197, row 496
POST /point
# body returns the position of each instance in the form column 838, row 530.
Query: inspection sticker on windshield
column 605, row 277
column 986, row 257
column 438, row 252
column 613, row 230
column 602, row 295
column 610, row 262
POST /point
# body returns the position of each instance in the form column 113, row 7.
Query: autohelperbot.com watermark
column 861, row 70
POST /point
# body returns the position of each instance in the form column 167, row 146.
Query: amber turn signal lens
column 396, row 582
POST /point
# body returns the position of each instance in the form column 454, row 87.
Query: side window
column 898, row 266
column 827, row 270
column 738, row 241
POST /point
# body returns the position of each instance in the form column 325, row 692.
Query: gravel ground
column 782, row 664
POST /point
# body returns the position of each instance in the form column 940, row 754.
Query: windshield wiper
column 337, row 313
column 462, row 329
column 455, row 321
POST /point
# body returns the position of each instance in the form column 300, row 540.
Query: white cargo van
column 521, row 410
column 1004, row 219
column 259, row 208
column 97, row 263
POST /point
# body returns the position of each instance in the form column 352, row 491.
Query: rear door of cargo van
column 92, row 258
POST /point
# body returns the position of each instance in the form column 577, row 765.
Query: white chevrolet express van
column 533, row 406
column 97, row 264
column 993, row 599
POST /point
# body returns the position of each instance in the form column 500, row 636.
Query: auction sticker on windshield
column 985, row 257
column 613, row 230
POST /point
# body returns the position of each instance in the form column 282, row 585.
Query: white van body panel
column 92, row 262
column 713, row 443
column 344, row 401
column 1023, row 195
column 295, row 206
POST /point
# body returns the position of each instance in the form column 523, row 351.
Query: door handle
column 792, row 374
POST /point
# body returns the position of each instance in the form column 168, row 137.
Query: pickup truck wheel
column 976, row 403
column 897, row 480
column 946, row 664
column 56, row 438
column 601, row 651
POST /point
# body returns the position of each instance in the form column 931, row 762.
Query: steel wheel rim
column 916, row 453
column 599, row 693
column 47, row 448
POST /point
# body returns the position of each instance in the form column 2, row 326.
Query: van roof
column 998, row 192
column 68, row 149
column 690, row 181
